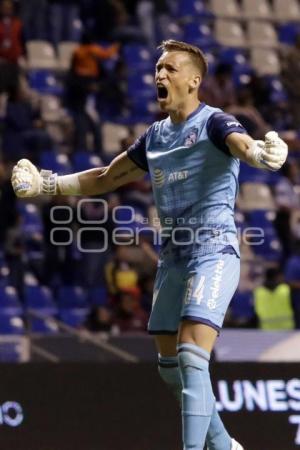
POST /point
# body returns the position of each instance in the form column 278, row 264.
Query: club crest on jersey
column 190, row 137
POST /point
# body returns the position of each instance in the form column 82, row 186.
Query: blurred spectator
column 120, row 273
column 218, row 89
column 149, row 251
column 11, row 43
column 98, row 18
column 95, row 241
column 292, row 277
column 63, row 15
column 34, row 14
column 110, row 20
column 147, row 285
column 129, row 315
column 83, row 82
column 153, row 16
column 14, row 249
column 125, row 29
column 11, row 47
column 7, row 201
column 24, row 131
column 59, row 263
column 288, row 203
column 245, row 111
column 100, row 319
column 290, row 64
column 272, row 302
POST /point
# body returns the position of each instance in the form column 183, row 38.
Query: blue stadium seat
column 4, row 274
column 9, row 302
column 43, row 326
column 75, row 29
column 252, row 175
column 137, row 57
column 242, row 75
column 174, row 31
column 232, row 56
column 74, row 317
column 237, row 59
column 71, row 297
column 278, row 93
column 240, row 221
column 288, row 32
column 45, row 82
column 58, row 163
column 12, row 325
column 82, row 160
column 261, row 218
column 31, row 218
column 192, row 8
column 141, row 84
column 241, row 306
column 38, row 297
column 98, row 296
column 269, row 248
column 142, row 110
column 200, row 34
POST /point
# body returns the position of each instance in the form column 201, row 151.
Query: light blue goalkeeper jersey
column 194, row 180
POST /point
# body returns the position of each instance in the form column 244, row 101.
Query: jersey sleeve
column 137, row 152
column 219, row 126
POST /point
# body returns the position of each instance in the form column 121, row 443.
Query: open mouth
column 162, row 92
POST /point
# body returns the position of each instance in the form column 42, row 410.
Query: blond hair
column 197, row 56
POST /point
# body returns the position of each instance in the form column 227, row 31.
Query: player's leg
column 164, row 321
column 201, row 421
column 169, row 372
column 168, row 363
column 211, row 283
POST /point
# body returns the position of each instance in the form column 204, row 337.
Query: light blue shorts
column 198, row 289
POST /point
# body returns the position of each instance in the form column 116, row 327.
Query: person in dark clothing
column 84, row 82
column 292, row 276
column 59, row 264
column 24, row 132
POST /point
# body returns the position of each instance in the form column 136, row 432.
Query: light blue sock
column 197, row 395
column 217, row 437
column 168, row 370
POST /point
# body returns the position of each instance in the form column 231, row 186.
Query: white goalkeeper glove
column 27, row 181
column 270, row 154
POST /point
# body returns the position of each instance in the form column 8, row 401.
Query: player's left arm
column 268, row 154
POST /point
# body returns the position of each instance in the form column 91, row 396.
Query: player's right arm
column 27, row 181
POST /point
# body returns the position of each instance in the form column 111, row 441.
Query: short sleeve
column 219, row 126
column 137, row 152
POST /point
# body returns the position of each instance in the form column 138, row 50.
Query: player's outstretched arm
column 268, row 154
column 27, row 181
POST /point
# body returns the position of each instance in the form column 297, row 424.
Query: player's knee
column 191, row 356
column 168, row 369
column 197, row 395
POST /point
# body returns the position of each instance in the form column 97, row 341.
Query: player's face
column 175, row 78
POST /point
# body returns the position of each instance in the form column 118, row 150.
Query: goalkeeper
column 193, row 160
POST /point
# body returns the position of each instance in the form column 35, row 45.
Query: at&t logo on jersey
column 158, row 177
column 180, row 175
